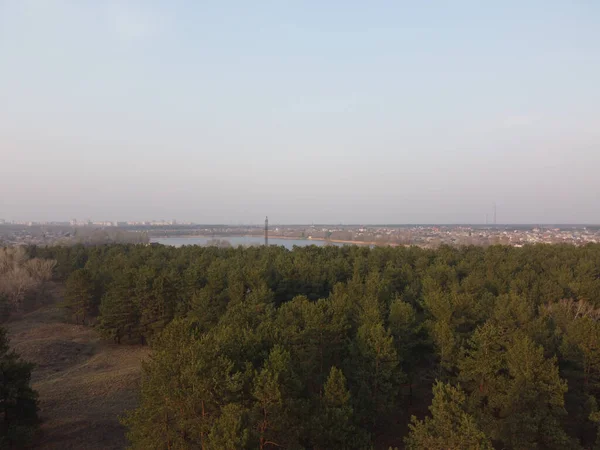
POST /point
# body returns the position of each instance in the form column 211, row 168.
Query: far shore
column 337, row 241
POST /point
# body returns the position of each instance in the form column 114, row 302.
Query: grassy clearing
column 84, row 384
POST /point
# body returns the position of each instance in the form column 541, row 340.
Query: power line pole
column 266, row 231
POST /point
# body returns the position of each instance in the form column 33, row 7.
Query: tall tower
column 494, row 213
column 266, row 231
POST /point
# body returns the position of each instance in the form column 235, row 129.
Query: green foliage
column 376, row 374
column 450, row 427
column 410, row 338
column 334, row 427
column 230, row 431
column 119, row 311
column 185, row 384
column 581, row 344
column 80, row 301
column 335, row 347
column 18, row 402
column 273, row 413
column 515, row 392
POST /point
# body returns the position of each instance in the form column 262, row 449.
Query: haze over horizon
column 344, row 112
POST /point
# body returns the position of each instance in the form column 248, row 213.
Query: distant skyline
column 324, row 112
column 260, row 224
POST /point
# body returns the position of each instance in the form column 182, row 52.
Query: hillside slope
column 84, row 384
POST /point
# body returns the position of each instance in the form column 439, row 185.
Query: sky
column 305, row 111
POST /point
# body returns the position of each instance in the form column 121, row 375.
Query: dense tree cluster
column 18, row 402
column 336, row 347
column 23, row 280
column 102, row 236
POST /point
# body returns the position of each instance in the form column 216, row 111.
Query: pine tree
column 18, row 402
column 155, row 297
column 334, row 427
column 530, row 400
column 230, row 431
column 376, row 374
column 79, row 296
column 581, row 344
column 185, row 385
column 409, row 337
column 516, row 393
column 119, row 311
column 450, row 427
column 274, row 409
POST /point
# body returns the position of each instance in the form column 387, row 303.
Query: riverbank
column 292, row 238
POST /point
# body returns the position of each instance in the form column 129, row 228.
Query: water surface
column 239, row 240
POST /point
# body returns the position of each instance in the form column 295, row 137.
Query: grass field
column 84, row 384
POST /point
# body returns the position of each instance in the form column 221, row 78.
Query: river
column 239, row 240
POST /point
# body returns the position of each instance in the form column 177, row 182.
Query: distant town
column 427, row 236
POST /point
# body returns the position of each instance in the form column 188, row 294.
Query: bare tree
column 40, row 269
column 15, row 285
column 573, row 309
column 20, row 276
column 220, row 243
column 11, row 257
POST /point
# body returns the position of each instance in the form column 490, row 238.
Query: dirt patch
column 84, row 383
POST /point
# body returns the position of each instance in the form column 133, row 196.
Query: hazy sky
column 326, row 111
